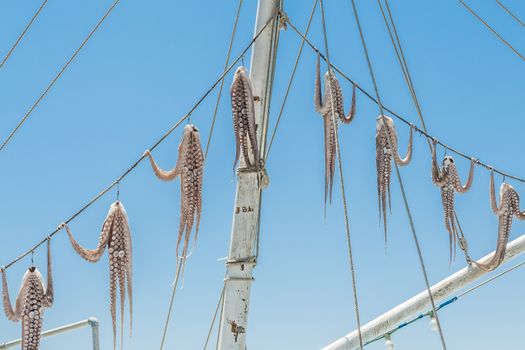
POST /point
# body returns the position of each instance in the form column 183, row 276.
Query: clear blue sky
column 147, row 66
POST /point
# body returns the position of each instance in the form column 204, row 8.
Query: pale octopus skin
column 243, row 112
column 508, row 208
column 385, row 130
column 333, row 98
column 447, row 179
column 190, row 168
column 32, row 299
column 116, row 236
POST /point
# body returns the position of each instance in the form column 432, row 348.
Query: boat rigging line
column 21, row 36
column 341, row 178
column 511, row 14
column 400, row 179
column 59, row 74
column 492, row 30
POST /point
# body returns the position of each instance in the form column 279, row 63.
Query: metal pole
column 420, row 303
column 246, row 212
column 92, row 322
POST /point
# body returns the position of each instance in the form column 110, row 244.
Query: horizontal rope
column 402, row 119
column 134, row 165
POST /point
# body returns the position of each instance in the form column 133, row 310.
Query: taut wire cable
column 398, row 116
column 21, row 36
column 492, row 30
column 217, row 308
column 175, row 284
column 511, row 14
column 400, row 179
column 398, row 49
column 290, row 81
column 219, row 94
column 341, row 178
column 59, row 74
column 155, row 145
column 168, row 316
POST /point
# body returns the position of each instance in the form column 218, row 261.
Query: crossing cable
column 511, row 14
column 341, row 178
column 400, row 179
column 59, row 74
column 21, row 36
column 398, row 48
column 492, row 30
column 217, row 308
column 137, row 162
column 219, row 94
column 290, row 81
column 398, row 116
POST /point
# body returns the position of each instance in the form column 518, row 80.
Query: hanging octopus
column 509, row 207
column 190, row 166
column 244, row 119
column 386, row 135
column 448, row 180
column 331, row 109
column 116, row 236
column 32, row 299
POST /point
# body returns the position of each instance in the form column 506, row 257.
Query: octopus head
column 327, row 75
column 241, row 72
column 504, row 188
column 384, row 120
column 32, row 271
column 447, row 161
column 191, row 133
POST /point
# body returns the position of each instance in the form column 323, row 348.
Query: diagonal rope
column 21, row 36
column 409, row 214
column 398, row 48
column 155, row 145
column 401, row 118
column 165, row 332
column 289, row 86
column 511, row 14
column 492, row 30
column 341, row 178
column 218, row 307
column 55, row 79
column 219, row 94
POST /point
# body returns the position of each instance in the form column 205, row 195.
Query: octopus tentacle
column 397, row 157
column 159, row 172
column 318, row 98
column 437, row 177
column 16, row 314
column 493, row 204
column 113, row 299
column 92, row 255
column 243, row 112
column 464, row 188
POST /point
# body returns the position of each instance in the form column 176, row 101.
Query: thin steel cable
column 492, row 30
column 44, row 93
column 21, row 36
column 398, row 48
column 175, row 287
column 398, row 116
column 290, row 81
column 219, row 94
column 341, row 178
column 511, row 14
column 220, row 325
column 210, row 330
column 134, row 165
column 400, row 180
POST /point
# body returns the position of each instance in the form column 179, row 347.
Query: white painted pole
column 243, row 245
column 91, row 322
column 420, row 303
